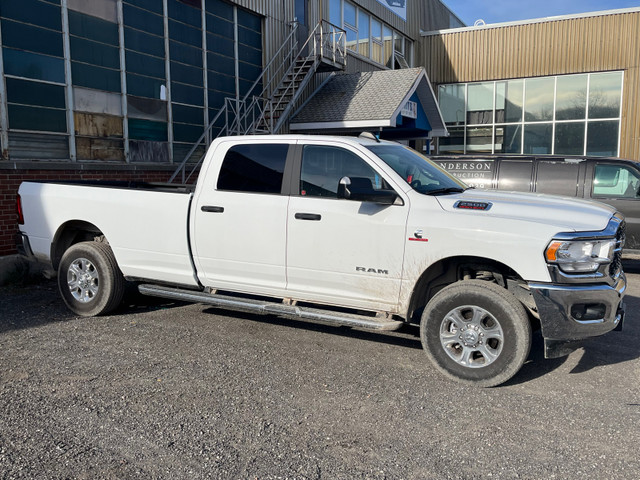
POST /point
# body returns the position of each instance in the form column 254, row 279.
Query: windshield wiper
column 445, row 190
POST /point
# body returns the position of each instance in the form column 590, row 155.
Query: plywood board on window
column 95, row 125
column 99, row 149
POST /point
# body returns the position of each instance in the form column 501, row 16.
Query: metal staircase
column 269, row 102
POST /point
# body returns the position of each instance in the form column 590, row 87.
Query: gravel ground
column 166, row 390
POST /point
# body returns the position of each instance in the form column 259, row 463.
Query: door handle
column 308, row 216
column 212, row 209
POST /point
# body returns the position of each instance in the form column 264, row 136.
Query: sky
column 497, row 11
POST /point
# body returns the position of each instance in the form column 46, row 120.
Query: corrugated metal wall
column 574, row 45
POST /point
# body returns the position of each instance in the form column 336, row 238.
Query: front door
column 618, row 185
column 343, row 252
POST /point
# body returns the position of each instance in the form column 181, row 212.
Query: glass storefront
column 564, row 115
column 370, row 37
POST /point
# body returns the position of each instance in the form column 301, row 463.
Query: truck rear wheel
column 89, row 279
column 476, row 333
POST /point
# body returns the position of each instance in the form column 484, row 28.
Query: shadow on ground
column 407, row 336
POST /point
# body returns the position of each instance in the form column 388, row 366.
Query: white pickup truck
column 349, row 231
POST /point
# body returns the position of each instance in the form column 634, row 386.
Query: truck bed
column 146, row 224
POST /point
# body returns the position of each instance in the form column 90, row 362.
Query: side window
column 558, row 178
column 515, row 175
column 615, row 181
column 323, row 167
column 256, row 168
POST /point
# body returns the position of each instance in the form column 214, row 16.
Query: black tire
column 89, row 279
column 476, row 333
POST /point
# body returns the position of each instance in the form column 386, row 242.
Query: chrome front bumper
column 571, row 313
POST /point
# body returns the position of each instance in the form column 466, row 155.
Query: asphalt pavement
column 169, row 390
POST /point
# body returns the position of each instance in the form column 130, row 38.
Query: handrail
column 224, row 109
column 241, row 116
column 290, row 38
column 322, row 29
column 195, row 146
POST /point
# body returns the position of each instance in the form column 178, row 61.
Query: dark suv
column 609, row 180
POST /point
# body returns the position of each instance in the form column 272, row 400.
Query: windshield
column 422, row 174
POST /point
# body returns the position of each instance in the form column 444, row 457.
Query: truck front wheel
column 89, row 279
column 476, row 333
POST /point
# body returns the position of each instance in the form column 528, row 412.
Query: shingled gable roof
column 368, row 100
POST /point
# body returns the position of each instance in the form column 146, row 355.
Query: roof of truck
column 369, row 139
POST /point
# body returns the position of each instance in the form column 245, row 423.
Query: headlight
column 584, row 256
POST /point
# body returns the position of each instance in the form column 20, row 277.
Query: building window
column 34, row 79
column 370, row 37
column 563, row 115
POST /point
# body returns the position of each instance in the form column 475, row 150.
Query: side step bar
column 271, row 308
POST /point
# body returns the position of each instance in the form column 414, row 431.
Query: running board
column 271, row 308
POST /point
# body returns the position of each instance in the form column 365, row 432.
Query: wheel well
column 70, row 233
column 450, row 270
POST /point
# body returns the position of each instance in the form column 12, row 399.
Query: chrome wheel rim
column 471, row 336
column 83, row 280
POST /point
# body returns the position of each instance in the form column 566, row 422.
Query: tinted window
column 323, row 167
column 22, row 117
column 35, row 39
column 33, row 65
column 508, row 138
column 480, row 103
column 35, row 93
column 515, row 175
column 537, row 138
column 604, row 95
column 538, row 102
column 616, row 181
column 254, row 168
column 569, row 139
column 95, row 77
column 558, row 178
column 602, row 138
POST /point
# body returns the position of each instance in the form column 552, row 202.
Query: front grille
column 616, row 265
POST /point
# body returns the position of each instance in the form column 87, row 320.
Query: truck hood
column 568, row 214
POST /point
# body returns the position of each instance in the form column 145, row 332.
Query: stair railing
column 326, row 41
column 254, row 113
column 286, row 53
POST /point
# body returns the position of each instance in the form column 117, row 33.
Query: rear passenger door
column 240, row 219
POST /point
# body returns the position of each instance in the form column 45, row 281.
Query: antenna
column 370, row 136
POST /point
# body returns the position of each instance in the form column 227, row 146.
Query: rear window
column 255, row 168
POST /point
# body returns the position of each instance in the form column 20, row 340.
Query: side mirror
column 361, row 189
